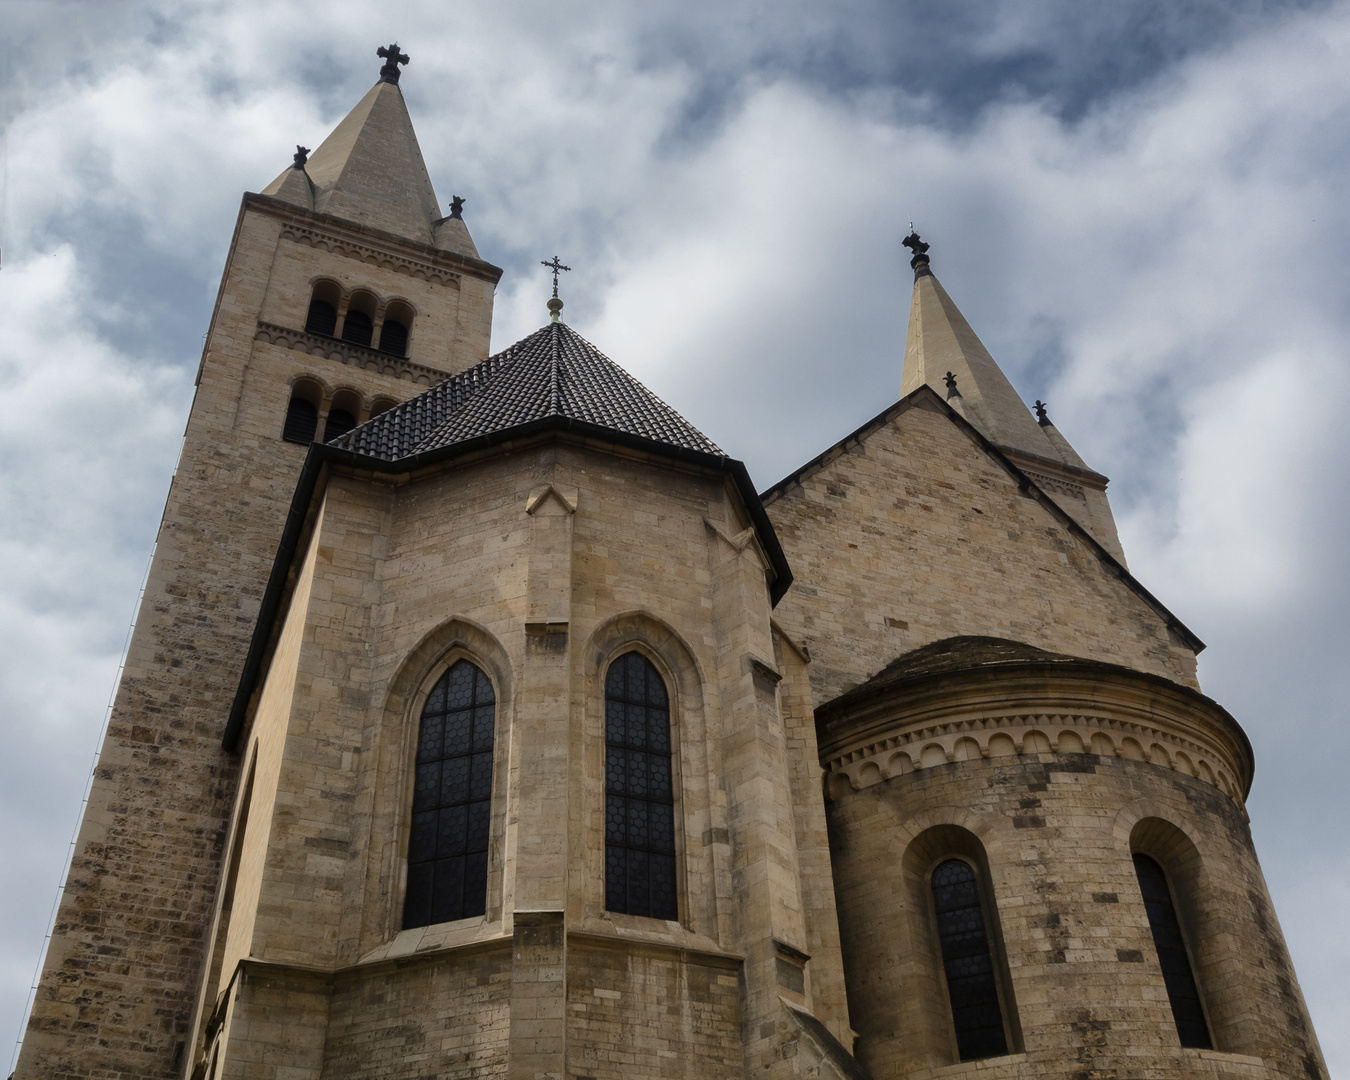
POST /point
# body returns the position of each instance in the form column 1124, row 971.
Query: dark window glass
column 972, row 984
column 452, row 800
column 394, row 337
column 302, row 420
column 340, row 421
column 639, row 800
column 357, row 328
column 322, row 318
column 1172, row 958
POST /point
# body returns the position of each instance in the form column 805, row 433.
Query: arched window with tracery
column 639, row 796
column 968, row 961
column 452, row 799
column 1178, row 976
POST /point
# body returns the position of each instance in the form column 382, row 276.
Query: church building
column 484, row 719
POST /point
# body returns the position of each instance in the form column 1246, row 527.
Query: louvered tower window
column 393, row 338
column 357, row 328
column 302, row 420
column 972, row 983
column 322, row 318
column 639, row 799
column 340, row 421
column 1182, row 992
column 452, row 800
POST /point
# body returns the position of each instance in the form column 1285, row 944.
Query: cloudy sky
column 1140, row 206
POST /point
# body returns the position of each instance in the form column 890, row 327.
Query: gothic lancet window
column 972, row 983
column 302, row 420
column 452, row 795
column 1182, row 992
column 639, row 798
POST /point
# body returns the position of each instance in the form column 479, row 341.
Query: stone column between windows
column 539, row 887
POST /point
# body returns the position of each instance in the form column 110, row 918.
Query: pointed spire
column 370, row 169
column 943, row 351
column 451, row 232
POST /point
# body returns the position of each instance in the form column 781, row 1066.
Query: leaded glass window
column 1176, row 965
column 972, row 983
column 639, row 799
column 452, row 800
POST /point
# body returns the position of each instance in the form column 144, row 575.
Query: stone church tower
column 482, row 720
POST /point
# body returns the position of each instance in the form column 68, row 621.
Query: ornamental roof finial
column 555, row 305
column 392, row 58
column 919, row 263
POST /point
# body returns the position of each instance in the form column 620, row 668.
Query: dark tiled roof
column 553, row 372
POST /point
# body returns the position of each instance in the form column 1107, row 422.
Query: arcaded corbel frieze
column 343, row 245
column 927, row 745
column 345, row 352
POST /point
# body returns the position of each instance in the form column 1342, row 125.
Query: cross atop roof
column 554, row 264
column 392, row 58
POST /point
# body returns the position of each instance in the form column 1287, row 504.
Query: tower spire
column 943, row 352
column 370, row 169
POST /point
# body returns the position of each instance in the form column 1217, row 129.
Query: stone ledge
column 345, row 352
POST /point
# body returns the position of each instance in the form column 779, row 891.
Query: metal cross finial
column 555, row 265
column 392, row 58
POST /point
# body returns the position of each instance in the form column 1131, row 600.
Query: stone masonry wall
column 1057, row 831
column 124, row 966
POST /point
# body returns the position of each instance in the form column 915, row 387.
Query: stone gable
column 915, row 532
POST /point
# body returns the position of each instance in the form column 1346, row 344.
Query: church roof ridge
column 552, row 372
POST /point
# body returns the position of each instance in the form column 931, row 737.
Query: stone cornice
column 1037, row 709
column 371, row 245
column 344, row 352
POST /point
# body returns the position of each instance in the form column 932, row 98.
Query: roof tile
column 552, row 372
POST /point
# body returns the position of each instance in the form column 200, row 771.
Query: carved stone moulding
column 344, row 352
column 353, row 250
column 1032, row 710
